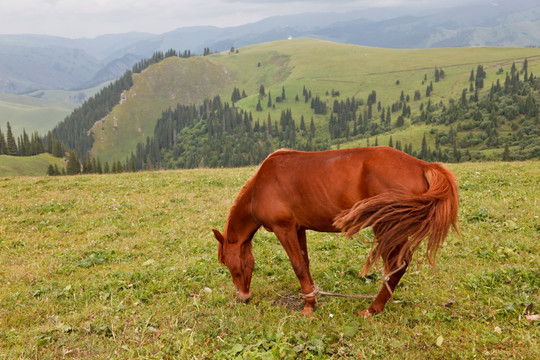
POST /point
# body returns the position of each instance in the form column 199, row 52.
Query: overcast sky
column 90, row 18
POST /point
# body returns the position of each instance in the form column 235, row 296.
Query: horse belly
column 309, row 206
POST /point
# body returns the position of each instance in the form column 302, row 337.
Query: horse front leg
column 388, row 286
column 303, row 246
column 292, row 241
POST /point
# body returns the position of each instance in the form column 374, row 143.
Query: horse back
column 308, row 189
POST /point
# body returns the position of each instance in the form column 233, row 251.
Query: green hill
column 27, row 165
column 324, row 68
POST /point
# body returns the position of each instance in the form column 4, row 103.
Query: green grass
column 124, row 266
column 319, row 65
column 27, row 165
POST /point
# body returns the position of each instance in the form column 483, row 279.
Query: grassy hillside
column 320, row 66
column 69, row 96
column 41, row 110
column 159, row 87
column 32, row 114
column 124, row 266
column 27, row 165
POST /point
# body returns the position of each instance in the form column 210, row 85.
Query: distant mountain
column 38, row 62
column 26, row 67
column 504, row 23
column 112, row 70
column 33, row 62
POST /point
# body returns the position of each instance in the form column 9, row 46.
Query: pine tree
column 506, row 152
column 464, row 97
column 302, row 123
column 424, row 151
column 99, row 169
column 11, row 144
column 3, row 144
column 73, row 165
column 269, row 125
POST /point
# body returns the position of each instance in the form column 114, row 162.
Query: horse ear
column 218, row 236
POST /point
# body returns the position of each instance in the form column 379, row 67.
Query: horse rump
column 401, row 220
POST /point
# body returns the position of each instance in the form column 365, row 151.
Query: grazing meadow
column 124, row 266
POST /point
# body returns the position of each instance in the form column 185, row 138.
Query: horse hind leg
column 291, row 242
column 389, row 285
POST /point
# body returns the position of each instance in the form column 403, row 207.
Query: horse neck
column 241, row 224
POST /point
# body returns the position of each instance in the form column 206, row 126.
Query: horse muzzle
column 243, row 297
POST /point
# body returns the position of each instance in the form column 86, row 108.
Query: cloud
column 89, row 18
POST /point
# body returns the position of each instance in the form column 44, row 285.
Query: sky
column 91, row 18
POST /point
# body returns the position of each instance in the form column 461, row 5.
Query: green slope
column 32, row 114
column 28, row 165
column 172, row 81
column 41, row 110
column 320, row 66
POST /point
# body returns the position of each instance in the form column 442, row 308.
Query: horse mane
column 242, row 194
column 246, row 191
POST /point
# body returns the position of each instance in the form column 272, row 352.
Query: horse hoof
column 307, row 311
column 366, row 314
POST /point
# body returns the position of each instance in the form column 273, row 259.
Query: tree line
column 215, row 134
column 29, row 145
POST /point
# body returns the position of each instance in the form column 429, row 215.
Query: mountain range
column 36, row 62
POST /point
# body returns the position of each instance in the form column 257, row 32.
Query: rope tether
column 386, row 277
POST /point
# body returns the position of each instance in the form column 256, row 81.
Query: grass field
column 124, row 266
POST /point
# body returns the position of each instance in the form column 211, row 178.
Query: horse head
column 239, row 260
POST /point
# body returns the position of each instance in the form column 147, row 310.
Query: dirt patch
column 290, row 302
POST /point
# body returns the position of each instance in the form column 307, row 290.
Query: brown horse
column 402, row 198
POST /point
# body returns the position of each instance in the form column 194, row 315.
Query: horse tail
column 401, row 220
